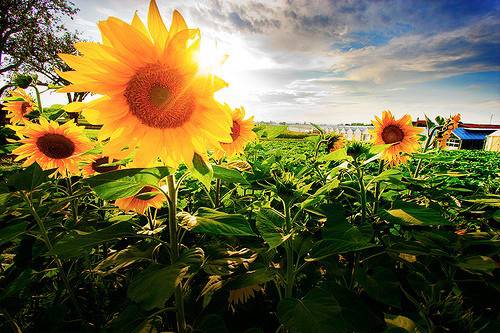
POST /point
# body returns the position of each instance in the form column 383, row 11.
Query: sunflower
column 99, row 164
column 52, row 145
column 19, row 106
column 444, row 135
column 155, row 98
column 242, row 295
column 241, row 134
column 399, row 133
column 335, row 142
column 148, row 196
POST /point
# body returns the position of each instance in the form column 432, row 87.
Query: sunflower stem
column 362, row 193
column 58, row 262
column 38, row 99
column 74, row 203
column 218, row 185
column 174, row 246
column 377, row 187
column 290, row 274
column 426, row 146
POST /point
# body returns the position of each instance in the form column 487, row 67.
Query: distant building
column 493, row 141
column 355, row 133
column 472, row 136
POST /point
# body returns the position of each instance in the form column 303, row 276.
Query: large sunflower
column 400, row 133
column 241, row 134
column 155, row 97
column 148, row 196
column 100, row 164
column 52, row 145
column 18, row 106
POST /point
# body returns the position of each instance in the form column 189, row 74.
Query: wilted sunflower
column 19, row 106
column 99, row 165
column 155, row 97
column 241, row 134
column 242, row 295
column 148, row 196
column 400, row 133
column 52, row 145
column 335, row 142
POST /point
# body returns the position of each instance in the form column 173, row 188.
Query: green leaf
column 125, row 183
column 211, row 221
column 202, row 170
column 228, row 175
column 477, row 264
column 78, row 243
column 402, row 322
column 338, row 155
column 29, row 178
column 317, row 312
column 320, row 194
column 377, row 149
column 153, row 287
column 251, row 278
column 269, row 222
column 412, row 214
column 12, row 231
column 381, row 284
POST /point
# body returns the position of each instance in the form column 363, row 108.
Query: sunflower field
column 158, row 208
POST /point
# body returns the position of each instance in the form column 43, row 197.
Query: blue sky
column 341, row 61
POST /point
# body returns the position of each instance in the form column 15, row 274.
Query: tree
column 31, row 36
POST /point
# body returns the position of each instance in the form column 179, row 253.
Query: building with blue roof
column 471, row 136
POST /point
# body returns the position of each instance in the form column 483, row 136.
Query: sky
column 341, row 61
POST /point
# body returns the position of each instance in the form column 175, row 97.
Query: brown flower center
column 392, row 134
column 55, row 146
column 97, row 165
column 24, row 107
column 235, row 130
column 160, row 97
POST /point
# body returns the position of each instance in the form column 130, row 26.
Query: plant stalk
column 290, row 274
column 377, row 187
column 362, row 193
column 218, row 185
column 174, row 247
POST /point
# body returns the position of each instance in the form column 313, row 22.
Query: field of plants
column 156, row 207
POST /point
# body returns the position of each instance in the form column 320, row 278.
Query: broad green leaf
column 153, row 287
column 18, row 285
column 338, row 155
column 317, row 312
column 125, row 183
column 381, row 284
column 319, row 195
column 251, row 278
column 477, row 264
column 412, row 214
column 29, row 178
column 389, row 174
column 124, row 258
column 377, row 149
column 78, row 243
column 228, row 175
column 269, row 222
column 12, row 231
column 490, row 200
column 210, row 221
column 405, row 323
column 272, row 132
column 202, row 170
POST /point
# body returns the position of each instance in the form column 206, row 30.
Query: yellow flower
column 448, row 127
column 19, row 108
column 155, row 98
column 241, row 134
column 148, row 196
column 52, row 145
column 335, row 142
column 242, row 295
column 98, row 165
column 400, row 133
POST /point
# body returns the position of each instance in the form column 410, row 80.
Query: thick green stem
column 290, row 273
column 218, row 185
column 174, row 247
column 48, row 243
column 426, row 146
column 74, row 202
column 362, row 193
column 38, row 99
column 377, row 187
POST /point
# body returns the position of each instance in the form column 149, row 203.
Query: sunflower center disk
column 97, row 165
column 56, row 146
column 235, row 130
column 160, row 97
column 24, row 107
column 392, row 134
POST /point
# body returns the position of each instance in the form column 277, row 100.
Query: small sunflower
column 99, row 165
column 148, row 196
column 242, row 295
column 400, row 133
column 444, row 135
column 241, row 134
column 155, row 98
column 52, row 145
column 18, row 106
column 335, row 142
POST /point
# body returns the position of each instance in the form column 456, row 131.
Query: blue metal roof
column 465, row 134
